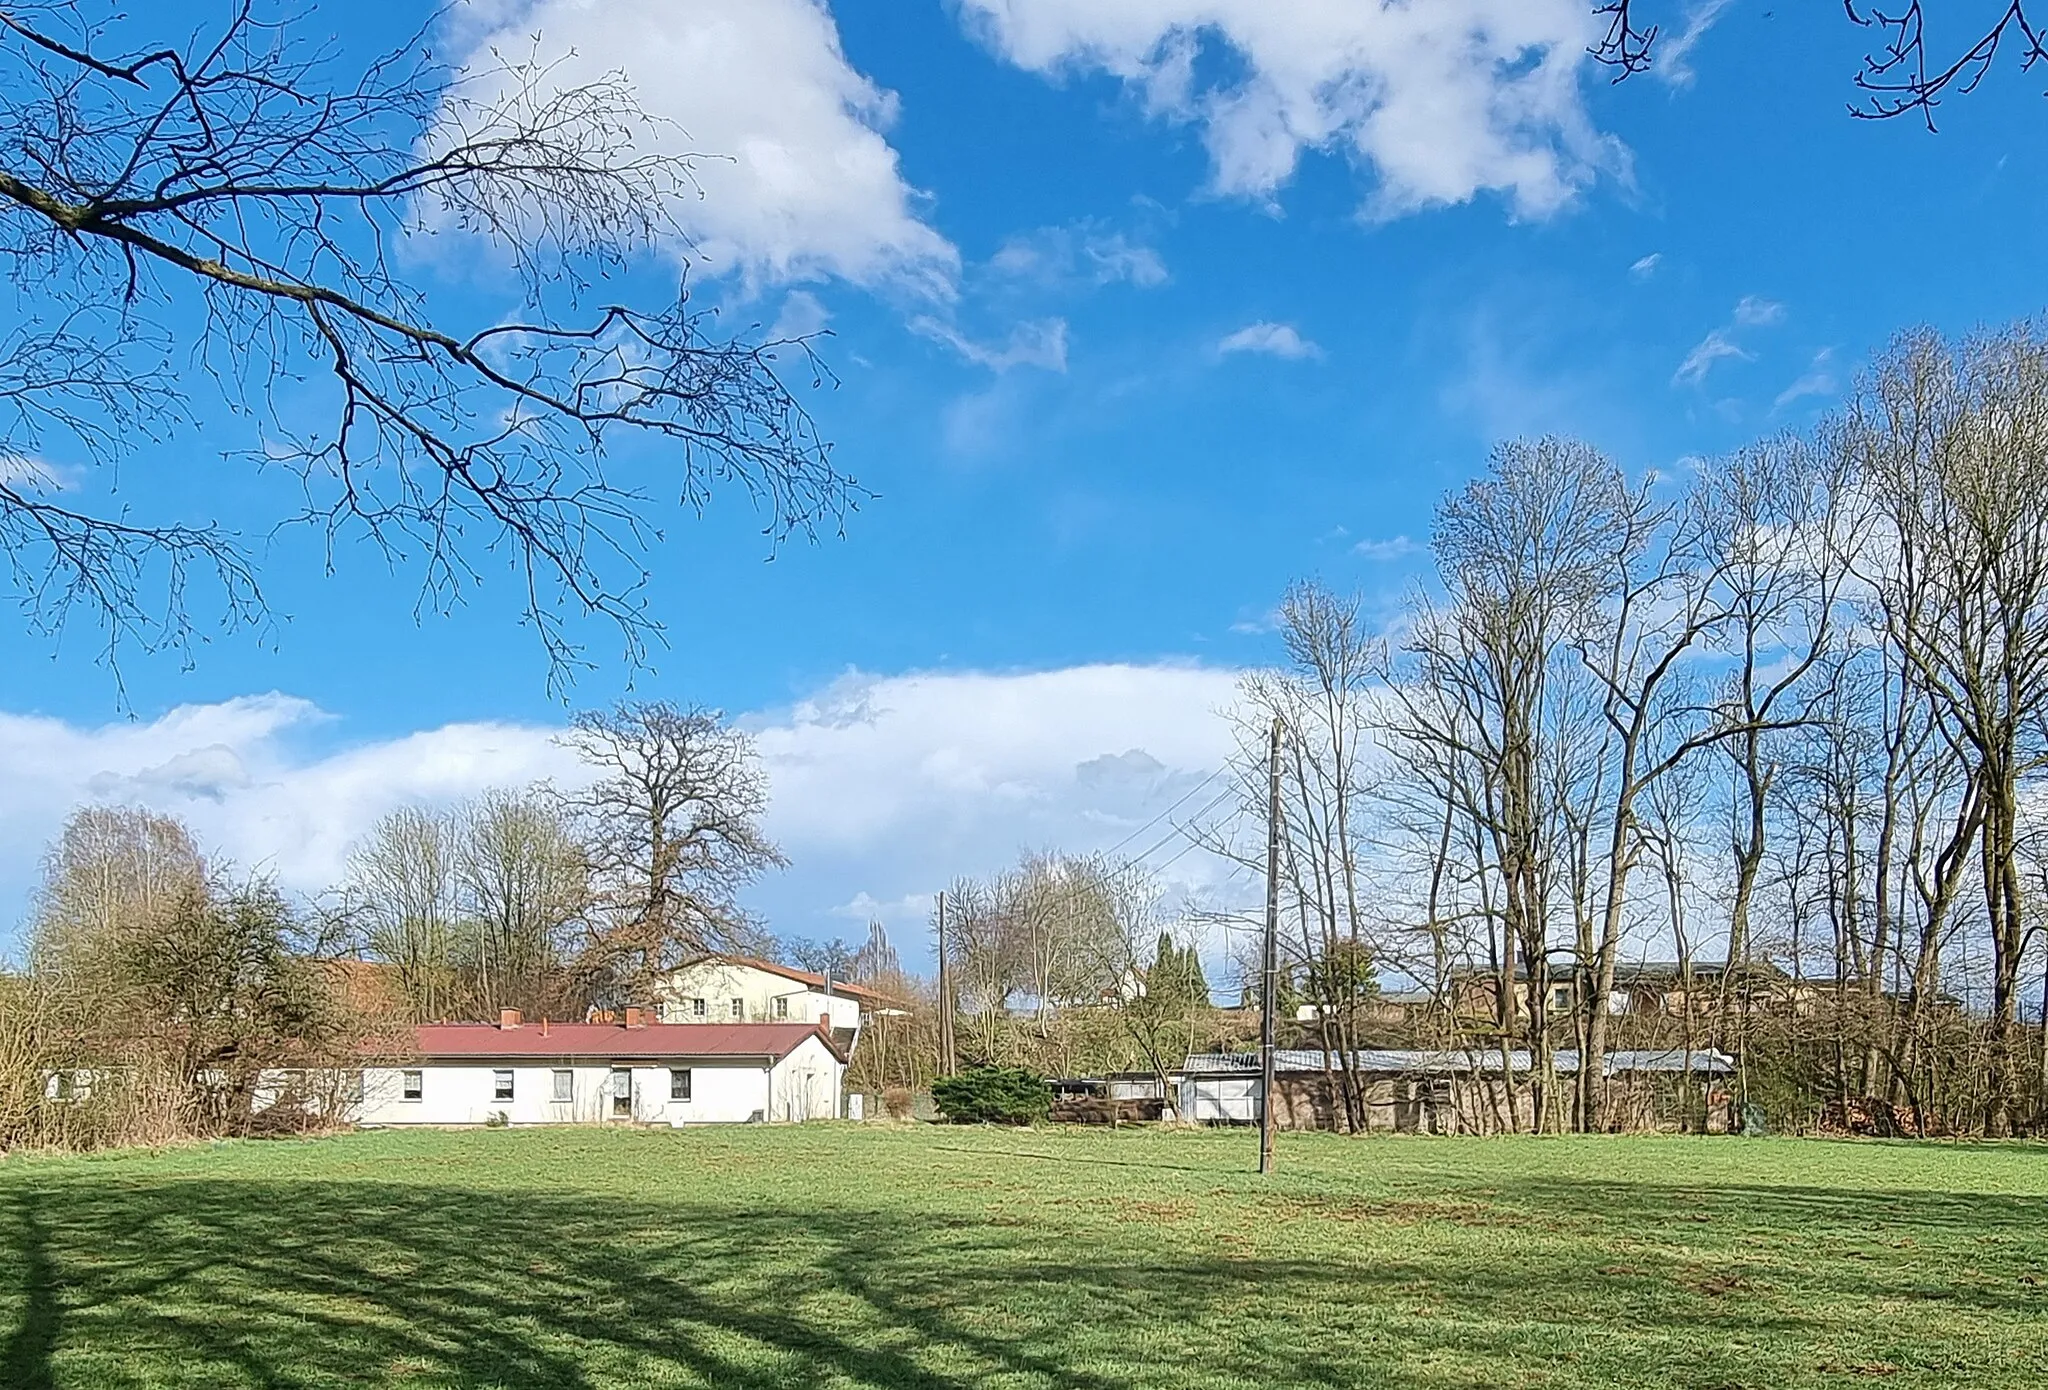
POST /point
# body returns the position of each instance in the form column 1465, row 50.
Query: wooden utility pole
column 948, row 1062
column 1269, row 983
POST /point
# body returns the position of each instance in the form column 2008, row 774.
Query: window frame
column 622, row 1101
column 700, row 1007
column 739, row 1009
column 412, row 1085
column 680, row 1085
column 781, row 1010
column 562, row 1086
column 504, row 1084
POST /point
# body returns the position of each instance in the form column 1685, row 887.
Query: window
column 678, row 1083
column 739, row 1011
column 782, row 1006
column 411, row 1084
column 622, row 1092
column 565, row 1085
column 501, row 1085
column 1561, row 998
column 700, row 1008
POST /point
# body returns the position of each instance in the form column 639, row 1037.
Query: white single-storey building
column 520, row 1073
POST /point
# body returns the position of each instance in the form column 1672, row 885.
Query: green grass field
column 834, row 1256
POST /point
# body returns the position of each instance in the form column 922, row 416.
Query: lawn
column 838, row 1256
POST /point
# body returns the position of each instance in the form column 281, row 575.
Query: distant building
column 1429, row 1091
column 738, row 989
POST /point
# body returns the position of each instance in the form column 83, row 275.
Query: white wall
column 464, row 1093
column 1219, row 1098
column 808, row 1083
column 719, row 983
column 805, row 1085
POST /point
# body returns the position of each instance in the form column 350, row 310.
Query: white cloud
column 1753, row 312
column 1039, row 343
column 234, row 771
column 884, row 787
column 1715, row 347
column 1674, row 51
column 802, row 315
column 1392, row 548
column 1054, row 256
column 1274, row 339
column 1647, row 266
column 1440, row 101
column 798, row 181
column 28, row 474
column 1817, row 380
column 1720, row 345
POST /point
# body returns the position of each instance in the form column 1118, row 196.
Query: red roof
column 776, row 1040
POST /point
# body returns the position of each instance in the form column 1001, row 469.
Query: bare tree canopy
column 1900, row 75
column 234, row 209
column 672, row 830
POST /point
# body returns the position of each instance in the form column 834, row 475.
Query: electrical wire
column 1180, row 801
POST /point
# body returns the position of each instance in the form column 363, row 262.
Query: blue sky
column 1119, row 356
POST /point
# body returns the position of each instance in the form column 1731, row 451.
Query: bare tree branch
column 235, row 198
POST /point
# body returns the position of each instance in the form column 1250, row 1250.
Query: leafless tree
column 401, row 895
column 233, row 208
column 1323, row 698
column 672, row 830
column 524, row 887
column 1954, row 437
column 1526, row 557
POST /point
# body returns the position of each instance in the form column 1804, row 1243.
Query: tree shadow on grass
column 195, row 1282
column 25, row 1355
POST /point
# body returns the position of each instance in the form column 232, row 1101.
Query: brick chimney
column 634, row 1018
column 508, row 1018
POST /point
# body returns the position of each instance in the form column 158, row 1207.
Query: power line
column 1178, row 831
column 1182, row 800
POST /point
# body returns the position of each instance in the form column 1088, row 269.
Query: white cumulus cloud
column 1439, row 101
column 883, row 787
column 798, row 180
column 1273, row 339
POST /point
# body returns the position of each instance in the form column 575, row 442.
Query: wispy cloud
column 1391, row 548
column 1715, row 347
column 1754, row 312
column 33, row 474
column 1273, row 339
column 1720, row 345
column 1647, row 266
column 1817, row 380
column 1039, row 343
column 1675, row 51
column 1086, row 255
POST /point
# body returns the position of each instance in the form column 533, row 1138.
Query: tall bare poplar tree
column 1954, row 440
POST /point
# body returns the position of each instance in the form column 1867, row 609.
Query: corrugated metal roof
column 1423, row 1061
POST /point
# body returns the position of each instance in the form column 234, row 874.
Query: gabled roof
column 448, row 1041
column 789, row 972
